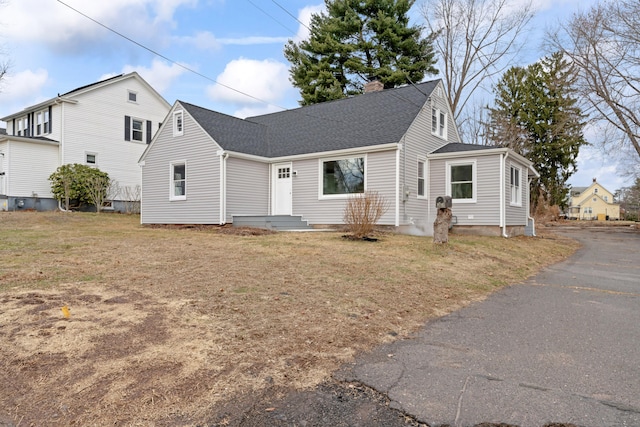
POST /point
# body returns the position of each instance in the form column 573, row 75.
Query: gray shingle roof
column 229, row 132
column 456, row 147
column 364, row 120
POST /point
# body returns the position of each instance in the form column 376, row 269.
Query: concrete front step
column 272, row 222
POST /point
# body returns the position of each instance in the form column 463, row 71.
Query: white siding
column 202, row 205
column 96, row 125
column 247, row 188
column 28, row 167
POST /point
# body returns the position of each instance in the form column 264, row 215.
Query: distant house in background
column 107, row 124
column 299, row 167
column 592, row 202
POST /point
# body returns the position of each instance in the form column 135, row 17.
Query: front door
column 282, row 189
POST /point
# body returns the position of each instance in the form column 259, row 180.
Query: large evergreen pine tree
column 354, row 42
column 536, row 114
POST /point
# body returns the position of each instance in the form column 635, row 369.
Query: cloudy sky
column 238, row 43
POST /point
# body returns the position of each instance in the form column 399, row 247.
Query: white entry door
column 282, row 189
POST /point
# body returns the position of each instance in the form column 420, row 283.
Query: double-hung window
column 516, row 186
column 39, row 123
column 342, row 176
column 137, row 131
column 178, row 181
column 421, row 178
column 46, row 122
column 461, row 181
column 438, row 123
column 178, row 124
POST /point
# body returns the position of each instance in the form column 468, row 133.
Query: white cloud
column 304, row 16
column 160, row 75
column 22, row 89
column 53, row 24
column 203, row 40
column 265, row 80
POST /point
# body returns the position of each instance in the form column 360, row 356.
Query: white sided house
column 107, row 124
column 298, row 168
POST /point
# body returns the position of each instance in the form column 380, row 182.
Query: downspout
column 397, row 213
column 529, row 217
column 223, row 187
column 503, row 195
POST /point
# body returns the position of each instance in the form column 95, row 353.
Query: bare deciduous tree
column 604, row 44
column 131, row 199
column 4, row 63
column 476, row 40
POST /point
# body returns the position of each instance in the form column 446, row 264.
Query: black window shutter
column 14, row 127
column 50, row 120
column 148, row 131
column 127, row 128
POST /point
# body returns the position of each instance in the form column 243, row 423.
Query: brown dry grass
column 167, row 323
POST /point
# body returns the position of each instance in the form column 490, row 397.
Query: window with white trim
column 516, row 186
column 39, row 123
column 178, row 124
column 422, row 166
column 461, row 181
column 91, row 159
column 438, row 123
column 133, row 96
column 23, row 126
column 46, row 122
column 342, row 176
column 137, row 130
column 178, row 181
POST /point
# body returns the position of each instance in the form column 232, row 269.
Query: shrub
column 363, row 211
column 81, row 184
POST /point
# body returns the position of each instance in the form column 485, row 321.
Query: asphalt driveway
column 563, row 347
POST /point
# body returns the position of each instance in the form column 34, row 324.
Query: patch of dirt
column 180, row 325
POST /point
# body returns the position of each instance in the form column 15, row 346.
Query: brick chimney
column 373, row 86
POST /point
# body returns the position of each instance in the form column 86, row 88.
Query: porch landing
column 272, row 222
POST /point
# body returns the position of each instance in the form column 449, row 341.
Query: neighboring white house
column 204, row 167
column 107, row 124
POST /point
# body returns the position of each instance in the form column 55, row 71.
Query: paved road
column 563, row 347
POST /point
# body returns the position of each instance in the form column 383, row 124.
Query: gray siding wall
column 247, row 188
column 486, row 209
column 202, row 205
column 516, row 215
column 380, row 176
column 418, row 142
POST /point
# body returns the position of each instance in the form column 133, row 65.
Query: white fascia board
column 9, row 138
column 487, row 152
column 52, row 101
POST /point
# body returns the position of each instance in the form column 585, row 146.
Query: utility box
column 443, row 202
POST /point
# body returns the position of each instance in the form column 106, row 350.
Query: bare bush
column 363, row 211
column 131, row 199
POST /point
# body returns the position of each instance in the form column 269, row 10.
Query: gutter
column 503, row 195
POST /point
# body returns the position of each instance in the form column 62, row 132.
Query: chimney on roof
column 594, row 180
column 374, row 85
